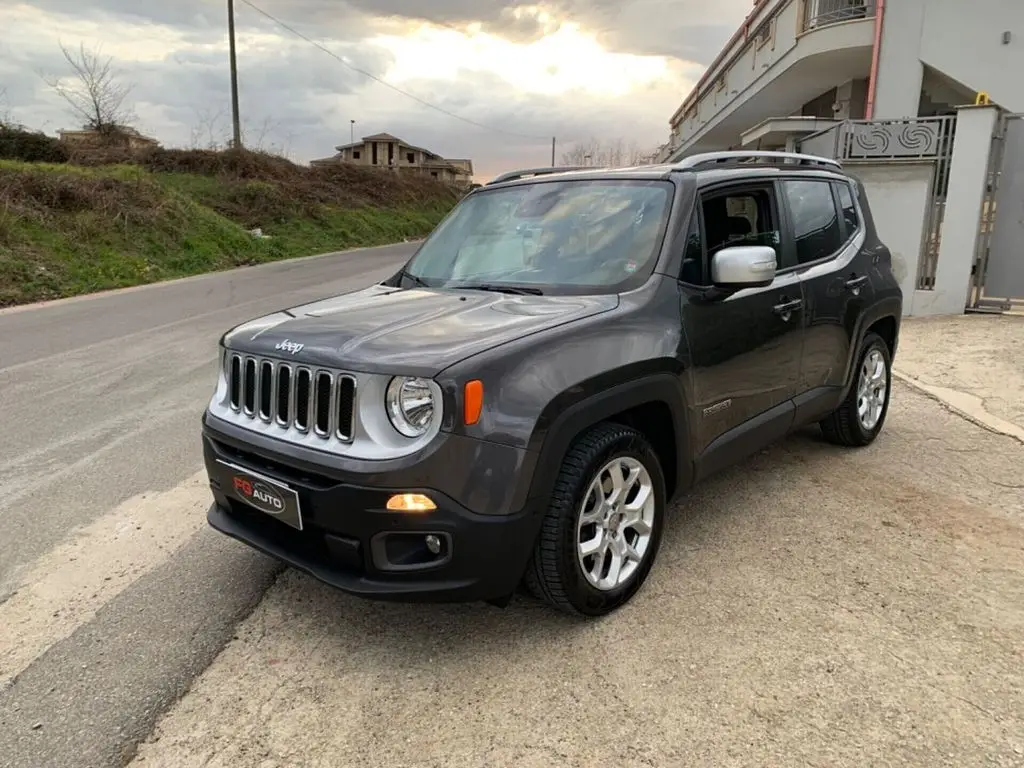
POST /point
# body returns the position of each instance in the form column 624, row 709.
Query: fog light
column 410, row 502
column 433, row 544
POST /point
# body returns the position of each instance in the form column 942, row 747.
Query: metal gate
column 998, row 278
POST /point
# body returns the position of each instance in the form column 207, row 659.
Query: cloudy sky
column 573, row 69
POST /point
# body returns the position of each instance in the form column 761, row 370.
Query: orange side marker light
column 473, row 401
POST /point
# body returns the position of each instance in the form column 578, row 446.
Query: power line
column 386, row 84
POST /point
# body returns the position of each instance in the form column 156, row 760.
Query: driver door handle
column 786, row 307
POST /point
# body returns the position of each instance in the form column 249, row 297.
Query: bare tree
column 93, row 90
column 611, row 153
column 255, row 135
column 265, row 136
column 209, row 131
column 212, row 130
column 283, row 148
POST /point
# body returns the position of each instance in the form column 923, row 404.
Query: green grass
column 68, row 230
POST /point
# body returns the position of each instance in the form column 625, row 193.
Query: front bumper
column 350, row 541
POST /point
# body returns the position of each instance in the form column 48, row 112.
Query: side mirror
column 743, row 266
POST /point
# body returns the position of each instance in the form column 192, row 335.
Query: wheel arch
column 653, row 404
column 882, row 318
column 888, row 329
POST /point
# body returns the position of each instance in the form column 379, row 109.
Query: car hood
column 411, row 331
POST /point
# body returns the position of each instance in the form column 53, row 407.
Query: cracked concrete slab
column 974, row 363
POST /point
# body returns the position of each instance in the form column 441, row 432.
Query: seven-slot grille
column 292, row 396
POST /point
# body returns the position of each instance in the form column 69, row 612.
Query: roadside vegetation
column 74, row 222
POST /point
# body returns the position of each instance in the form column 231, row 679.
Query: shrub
column 30, row 146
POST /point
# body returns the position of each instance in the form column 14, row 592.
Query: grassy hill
column 92, row 224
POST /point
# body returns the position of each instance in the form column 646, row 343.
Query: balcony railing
column 822, row 13
column 911, row 138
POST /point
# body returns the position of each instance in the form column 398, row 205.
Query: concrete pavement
column 113, row 592
column 813, row 607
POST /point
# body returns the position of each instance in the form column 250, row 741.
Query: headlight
column 410, row 404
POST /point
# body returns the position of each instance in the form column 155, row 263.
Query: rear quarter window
column 848, row 208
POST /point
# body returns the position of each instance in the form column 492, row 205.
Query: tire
column 845, row 426
column 556, row 572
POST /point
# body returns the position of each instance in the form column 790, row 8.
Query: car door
column 827, row 237
column 745, row 349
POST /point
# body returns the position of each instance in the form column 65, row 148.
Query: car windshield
column 548, row 237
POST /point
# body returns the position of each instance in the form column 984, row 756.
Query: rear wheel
column 860, row 418
column 603, row 526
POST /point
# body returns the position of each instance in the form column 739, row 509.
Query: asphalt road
column 113, row 592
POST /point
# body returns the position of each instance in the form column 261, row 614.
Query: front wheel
column 859, row 419
column 602, row 529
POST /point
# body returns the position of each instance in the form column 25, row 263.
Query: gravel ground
column 816, row 606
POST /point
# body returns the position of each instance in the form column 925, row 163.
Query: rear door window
column 815, row 219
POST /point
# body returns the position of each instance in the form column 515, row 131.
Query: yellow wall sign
column 981, row 98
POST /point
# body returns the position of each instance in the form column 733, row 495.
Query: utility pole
column 352, row 132
column 552, row 151
column 236, row 121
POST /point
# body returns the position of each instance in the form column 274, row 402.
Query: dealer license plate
column 270, row 496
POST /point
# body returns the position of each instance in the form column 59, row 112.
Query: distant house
column 382, row 150
column 122, row 136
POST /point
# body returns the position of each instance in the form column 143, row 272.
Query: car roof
column 709, row 167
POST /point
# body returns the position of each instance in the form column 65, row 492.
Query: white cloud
column 571, row 68
column 566, row 59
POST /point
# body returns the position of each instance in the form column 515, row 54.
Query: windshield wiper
column 417, row 280
column 517, row 289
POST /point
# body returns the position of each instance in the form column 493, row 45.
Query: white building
column 798, row 66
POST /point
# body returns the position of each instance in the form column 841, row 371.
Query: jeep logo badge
column 260, row 495
column 291, row 347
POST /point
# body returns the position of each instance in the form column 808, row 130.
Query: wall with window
column 773, row 33
column 385, row 153
column 822, row 106
column 780, row 35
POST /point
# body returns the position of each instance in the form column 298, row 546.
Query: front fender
column 524, row 378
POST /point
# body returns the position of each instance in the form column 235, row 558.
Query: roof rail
column 524, row 172
column 708, row 160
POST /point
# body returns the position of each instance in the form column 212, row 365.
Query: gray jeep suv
column 565, row 355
